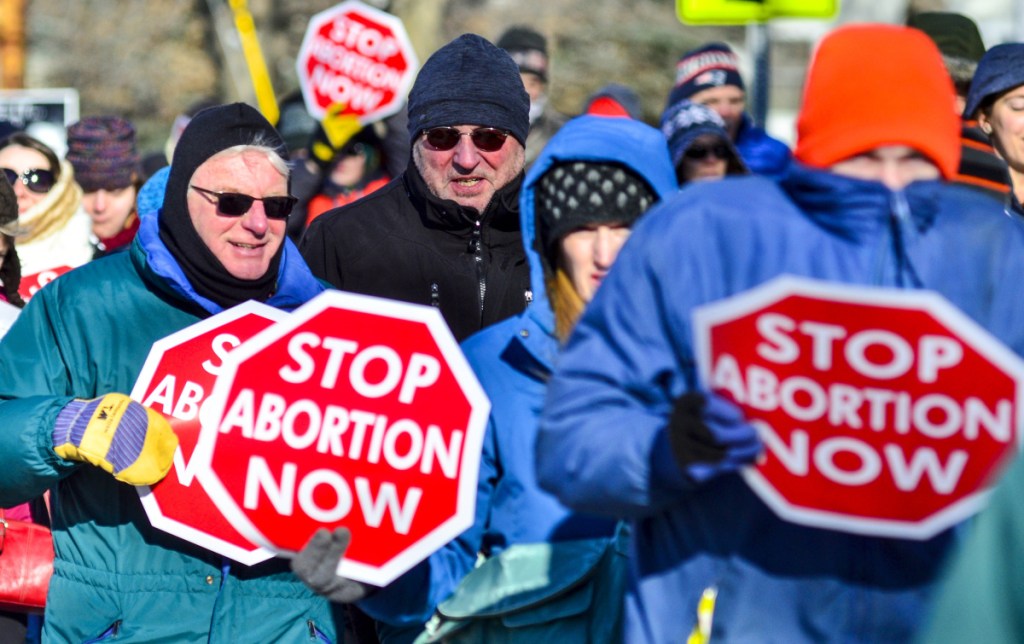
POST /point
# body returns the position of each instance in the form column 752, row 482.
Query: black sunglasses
column 35, row 179
column 698, row 152
column 235, row 204
column 488, row 139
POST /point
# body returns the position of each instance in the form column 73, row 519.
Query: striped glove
column 134, row 443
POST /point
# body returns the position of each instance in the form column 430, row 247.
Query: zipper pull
column 435, row 296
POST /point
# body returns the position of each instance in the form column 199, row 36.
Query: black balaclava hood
column 213, row 130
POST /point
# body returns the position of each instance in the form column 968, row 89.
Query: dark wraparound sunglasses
column 235, row 204
column 35, row 179
column 488, row 139
column 698, row 152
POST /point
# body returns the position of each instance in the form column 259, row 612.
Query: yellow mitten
column 334, row 132
column 134, row 443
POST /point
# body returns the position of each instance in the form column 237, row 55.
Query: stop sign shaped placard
column 355, row 411
column 883, row 412
column 359, row 56
column 177, row 380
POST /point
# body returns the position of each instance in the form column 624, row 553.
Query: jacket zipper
column 476, row 247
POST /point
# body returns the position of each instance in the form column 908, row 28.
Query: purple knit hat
column 102, row 151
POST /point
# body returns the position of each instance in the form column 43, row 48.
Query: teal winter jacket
column 116, row 577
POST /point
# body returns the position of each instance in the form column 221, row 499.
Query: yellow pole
column 254, row 60
column 12, row 44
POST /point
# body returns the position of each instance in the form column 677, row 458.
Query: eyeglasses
column 235, row 204
column 698, row 152
column 487, row 139
column 35, row 179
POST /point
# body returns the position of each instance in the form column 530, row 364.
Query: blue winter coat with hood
column 514, row 358
column 631, row 355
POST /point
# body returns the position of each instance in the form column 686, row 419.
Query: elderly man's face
column 466, row 174
column 244, row 244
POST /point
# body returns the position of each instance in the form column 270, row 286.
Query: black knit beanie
column 213, row 130
column 578, row 193
column 469, row 81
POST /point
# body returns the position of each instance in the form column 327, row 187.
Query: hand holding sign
column 883, row 412
column 709, row 436
column 177, row 380
column 355, row 412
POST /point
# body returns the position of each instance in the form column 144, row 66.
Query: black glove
column 709, row 436
column 317, row 566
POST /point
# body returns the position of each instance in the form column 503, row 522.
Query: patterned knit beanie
column 102, row 151
column 876, row 85
column 469, row 81
column 577, row 193
column 712, row 65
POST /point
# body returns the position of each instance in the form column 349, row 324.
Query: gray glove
column 317, row 564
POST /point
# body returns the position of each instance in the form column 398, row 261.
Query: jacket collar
column 445, row 214
column 860, row 210
column 295, row 282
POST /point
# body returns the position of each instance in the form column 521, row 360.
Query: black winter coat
column 404, row 243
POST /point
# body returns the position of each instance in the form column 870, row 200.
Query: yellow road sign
column 738, row 12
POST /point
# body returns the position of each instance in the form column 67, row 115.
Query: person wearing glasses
column 445, row 232
column 700, row 146
column 868, row 201
column 107, row 166
column 53, row 234
column 710, row 75
column 218, row 240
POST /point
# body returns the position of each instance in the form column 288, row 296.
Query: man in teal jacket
column 68, row 427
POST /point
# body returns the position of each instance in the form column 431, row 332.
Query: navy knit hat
column 102, row 151
column 999, row 70
column 683, row 122
column 574, row 194
column 469, row 81
column 712, row 65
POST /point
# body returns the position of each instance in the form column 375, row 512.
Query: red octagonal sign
column 177, row 380
column 359, row 56
column 355, row 411
column 883, row 412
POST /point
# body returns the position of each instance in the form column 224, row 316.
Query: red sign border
column 709, row 315
column 472, row 446
column 397, row 28
column 156, row 516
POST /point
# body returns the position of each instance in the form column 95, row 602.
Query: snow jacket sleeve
column 35, row 382
column 411, row 598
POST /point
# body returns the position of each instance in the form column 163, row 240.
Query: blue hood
column 634, row 144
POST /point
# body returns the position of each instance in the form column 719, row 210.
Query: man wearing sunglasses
column 446, row 231
column 217, row 241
